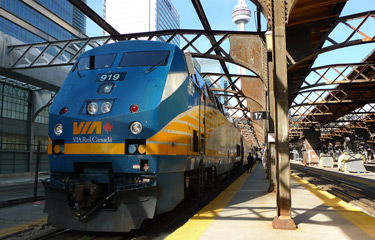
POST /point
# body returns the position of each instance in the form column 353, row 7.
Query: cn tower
column 241, row 15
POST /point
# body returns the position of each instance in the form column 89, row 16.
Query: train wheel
column 212, row 178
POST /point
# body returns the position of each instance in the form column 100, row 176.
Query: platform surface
column 245, row 210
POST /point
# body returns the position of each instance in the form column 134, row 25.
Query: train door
column 202, row 124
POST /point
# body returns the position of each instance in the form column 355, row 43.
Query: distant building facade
column 129, row 16
column 30, row 22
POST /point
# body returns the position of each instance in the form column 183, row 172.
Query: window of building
column 43, row 116
column 43, row 140
column 14, row 102
column 29, row 15
column 16, row 31
column 11, row 141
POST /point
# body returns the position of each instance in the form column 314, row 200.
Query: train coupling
column 85, row 194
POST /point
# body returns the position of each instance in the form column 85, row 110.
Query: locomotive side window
column 149, row 58
column 95, row 62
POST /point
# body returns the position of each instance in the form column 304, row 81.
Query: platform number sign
column 259, row 115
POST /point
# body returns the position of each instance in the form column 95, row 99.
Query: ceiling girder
column 349, row 41
column 33, row 56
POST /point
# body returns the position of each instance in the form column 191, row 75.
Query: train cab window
column 104, row 61
column 145, row 58
column 95, row 62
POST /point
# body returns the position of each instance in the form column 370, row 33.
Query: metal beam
column 47, row 78
column 344, row 102
column 315, row 51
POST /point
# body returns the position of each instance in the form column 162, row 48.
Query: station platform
column 16, row 218
column 15, row 187
column 245, row 210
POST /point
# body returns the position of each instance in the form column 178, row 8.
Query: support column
column 271, row 161
column 30, row 137
column 283, row 220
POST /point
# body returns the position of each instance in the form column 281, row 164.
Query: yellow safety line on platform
column 198, row 224
column 19, row 228
column 363, row 221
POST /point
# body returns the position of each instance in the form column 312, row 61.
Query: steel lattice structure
column 65, row 53
column 331, row 98
column 336, row 98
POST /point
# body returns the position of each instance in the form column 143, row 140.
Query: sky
column 219, row 14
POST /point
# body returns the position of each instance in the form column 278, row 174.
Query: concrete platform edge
column 360, row 219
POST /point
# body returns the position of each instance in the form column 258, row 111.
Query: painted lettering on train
column 87, row 128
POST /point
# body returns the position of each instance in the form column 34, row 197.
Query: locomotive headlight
column 106, row 107
column 58, row 129
column 92, row 108
column 136, row 127
column 107, row 88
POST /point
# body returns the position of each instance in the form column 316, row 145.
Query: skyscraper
column 29, row 22
column 129, row 16
column 40, row 20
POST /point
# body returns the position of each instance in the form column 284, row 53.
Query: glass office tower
column 29, row 22
column 23, row 15
column 129, row 16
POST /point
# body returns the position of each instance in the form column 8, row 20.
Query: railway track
column 356, row 193
column 19, row 194
column 158, row 228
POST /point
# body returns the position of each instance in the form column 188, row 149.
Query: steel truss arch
column 349, row 41
column 65, row 53
column 341, row 78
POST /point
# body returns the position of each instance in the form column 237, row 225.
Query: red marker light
column 64, row 110
column 134, row 108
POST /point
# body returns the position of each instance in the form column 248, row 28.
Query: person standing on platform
column 264, row 158
column 251, row 162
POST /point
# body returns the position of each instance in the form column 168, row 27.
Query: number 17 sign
column 259, row 115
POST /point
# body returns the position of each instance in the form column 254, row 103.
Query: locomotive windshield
column 96, row 62
column 149, row 58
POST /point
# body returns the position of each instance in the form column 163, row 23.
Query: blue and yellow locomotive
column 132, row 133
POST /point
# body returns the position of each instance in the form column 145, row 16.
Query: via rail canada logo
column 89, row 128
